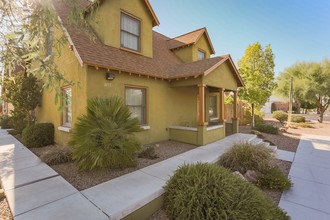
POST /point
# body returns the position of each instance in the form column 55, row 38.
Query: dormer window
column 130, row 32
column 201, row 55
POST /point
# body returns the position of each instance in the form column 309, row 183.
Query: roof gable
column 189, row 39
column 90, row 4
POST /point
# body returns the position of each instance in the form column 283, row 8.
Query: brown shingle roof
column 190, row 38
column 164, row 64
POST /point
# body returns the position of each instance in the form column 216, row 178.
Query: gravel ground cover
column 85, row 179
column 5, row 213
column 285, row 141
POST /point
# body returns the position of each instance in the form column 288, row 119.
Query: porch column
column 222, row 105
column 235, row 105
column 235, row 119
column 201, row 105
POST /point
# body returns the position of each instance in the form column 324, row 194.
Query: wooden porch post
column 222, row 105
column 235, row 105
column 201, row 105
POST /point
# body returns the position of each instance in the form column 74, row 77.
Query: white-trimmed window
column 136, row 102
column 67, row 107
column 130, row 32
column 201, row 55
column 213, row 113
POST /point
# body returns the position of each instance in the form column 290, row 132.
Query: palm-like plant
column 104, row 136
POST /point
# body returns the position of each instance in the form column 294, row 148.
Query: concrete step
column 256, row 141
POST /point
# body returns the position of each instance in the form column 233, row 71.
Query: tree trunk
column 252, row 112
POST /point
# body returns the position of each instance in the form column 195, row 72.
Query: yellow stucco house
column 172, row 85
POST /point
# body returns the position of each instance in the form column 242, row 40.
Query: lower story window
column 136, row 102
column 213, row 114
column 67, row 107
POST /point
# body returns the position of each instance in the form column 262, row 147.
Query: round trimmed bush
column 298, row 119
column 245, row 156
column 38, row 135
column 281, row 116
column 266, row 128
column 209, row 191
column 104, row 136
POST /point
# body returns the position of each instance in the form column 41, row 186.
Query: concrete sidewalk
column 309, row 198
column 35, row 191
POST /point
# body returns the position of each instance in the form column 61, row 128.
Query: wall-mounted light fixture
column 110, row 76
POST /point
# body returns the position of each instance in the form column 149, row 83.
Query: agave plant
column 104, row 136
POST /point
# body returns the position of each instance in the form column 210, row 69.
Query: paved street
column 309, row 198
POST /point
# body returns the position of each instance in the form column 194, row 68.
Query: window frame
column 138, row 36
column 65, row 107
column 144, row 111
column 203, row 52
column 216, row 114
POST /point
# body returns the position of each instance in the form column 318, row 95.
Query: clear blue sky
column 298, row 30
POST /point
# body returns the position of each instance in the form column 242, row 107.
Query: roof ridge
column 174, row 38
column 161, row 34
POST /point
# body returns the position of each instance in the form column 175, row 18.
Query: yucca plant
column 104, row 136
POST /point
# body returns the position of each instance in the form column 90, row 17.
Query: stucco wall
column 106, row 22
column 222, row 77
column 165, row 105
column 203, row 45
column 50, row 111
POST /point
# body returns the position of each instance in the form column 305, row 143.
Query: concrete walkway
column 309, row 198
column 35, row 191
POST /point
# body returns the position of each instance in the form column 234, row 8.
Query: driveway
column 309, row 198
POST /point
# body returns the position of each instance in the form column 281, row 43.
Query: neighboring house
column 278, row 103
column 172, row 85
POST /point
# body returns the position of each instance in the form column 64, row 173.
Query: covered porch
column 210, row 123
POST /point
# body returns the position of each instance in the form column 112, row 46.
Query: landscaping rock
column 258, row 133
column 252, row 176
column 283, row 129
column 236, row 173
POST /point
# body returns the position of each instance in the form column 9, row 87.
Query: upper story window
column 130, row 33
column 201, row 55
column 67, row 107
column 136, row 102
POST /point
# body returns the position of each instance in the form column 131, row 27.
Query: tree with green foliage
column 311, row 84
column 257, row 70
column 104, row 136
column 26, row 33
column 24, row 93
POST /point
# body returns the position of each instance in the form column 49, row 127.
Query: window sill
column 131, row 51
column 65, row 129
column 145, row 127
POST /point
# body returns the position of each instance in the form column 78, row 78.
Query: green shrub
column 38, row 135
column 244, row 156
column 5, row 123
column 208, row 191
column 104, row 136
column 298, row 119
column 266, row 128
column 304, row 125
column 247, row 118
column 57, row 155
column 281, row 116
column 273, row 178
column 148, row 153
column 18, row 122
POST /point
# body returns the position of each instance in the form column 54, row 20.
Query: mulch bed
column 85, row 179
